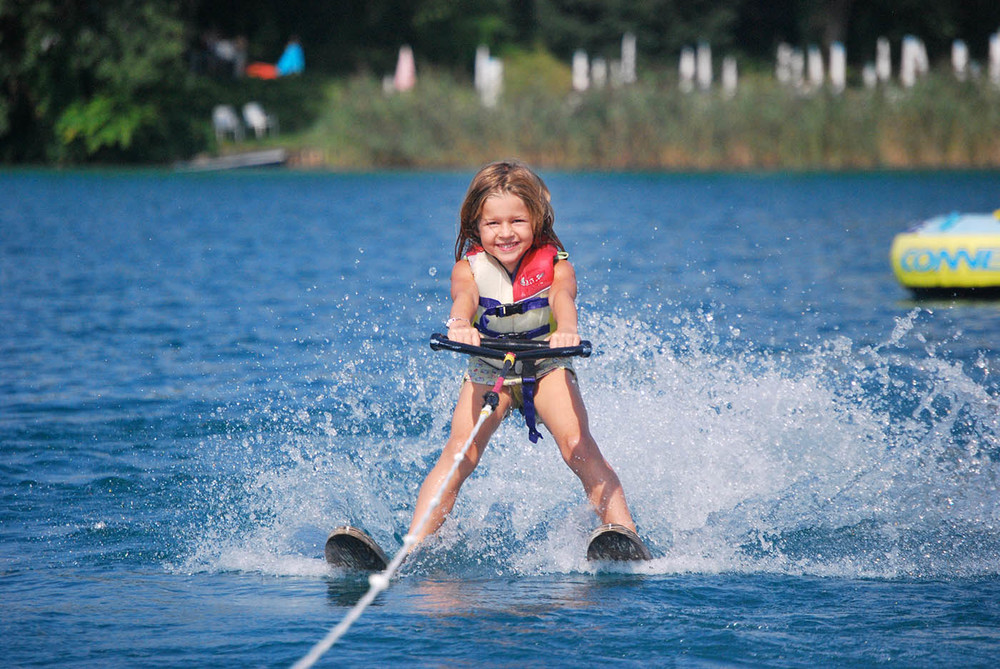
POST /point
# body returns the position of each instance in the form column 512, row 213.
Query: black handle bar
column 496, row 349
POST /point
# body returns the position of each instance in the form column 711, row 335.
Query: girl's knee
column 578, row 450
column 469, row 461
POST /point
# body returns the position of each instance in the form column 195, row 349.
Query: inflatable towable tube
column 949, row 254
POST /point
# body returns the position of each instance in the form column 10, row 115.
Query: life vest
column 516, row 307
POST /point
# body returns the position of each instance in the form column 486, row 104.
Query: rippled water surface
column 201, row 375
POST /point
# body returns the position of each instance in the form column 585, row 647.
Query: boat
column 952, row 254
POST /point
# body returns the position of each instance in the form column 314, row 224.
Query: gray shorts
column 485, row 372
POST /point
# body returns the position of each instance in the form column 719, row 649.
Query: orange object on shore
column 262, row 71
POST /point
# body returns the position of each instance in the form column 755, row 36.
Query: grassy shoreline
column 939, row 124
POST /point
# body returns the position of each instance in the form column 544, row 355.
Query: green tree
column 661, row 27
column 351, row 35
column 88, row 80
column 937, row 24
column 762, row 24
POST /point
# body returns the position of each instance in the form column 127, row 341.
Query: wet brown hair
column 506, row 177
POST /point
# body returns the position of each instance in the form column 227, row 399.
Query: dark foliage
column 126, row 80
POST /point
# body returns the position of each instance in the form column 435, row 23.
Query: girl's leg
column 467, row 409
column 561, row 408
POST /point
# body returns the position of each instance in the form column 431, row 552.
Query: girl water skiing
column 512, row 278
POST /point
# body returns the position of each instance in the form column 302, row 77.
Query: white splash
column 855, row 461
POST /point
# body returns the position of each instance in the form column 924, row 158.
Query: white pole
column 704, row 57
column 783, row 66
column 730, row 76
column 838, row 67
column 869, row 76
column 797, row 66
column 995, row 58
column 493, row 82
column 599, row 73
column 883, row 60
column 581, row 78
column 960, row 59
column 482, row 58
column 814, row 59
column 628, row 58
column 908, row 58
column 687, row 69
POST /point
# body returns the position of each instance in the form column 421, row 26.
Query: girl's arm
column 562, row 300
column 464, row 300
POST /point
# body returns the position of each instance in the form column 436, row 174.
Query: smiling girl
column 512, row 278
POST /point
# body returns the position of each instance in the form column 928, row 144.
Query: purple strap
column 528, row 405
column 493, row 307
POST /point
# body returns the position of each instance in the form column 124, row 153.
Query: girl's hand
column 465, row 298
column 463, row 333
column 560, row 339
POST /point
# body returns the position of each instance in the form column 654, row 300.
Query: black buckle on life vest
column 509, row 310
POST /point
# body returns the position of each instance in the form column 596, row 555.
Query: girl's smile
column 505, row 229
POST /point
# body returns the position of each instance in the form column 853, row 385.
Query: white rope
column 379, row 582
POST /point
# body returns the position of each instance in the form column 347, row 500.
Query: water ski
column 616, row 542
column 350, row 548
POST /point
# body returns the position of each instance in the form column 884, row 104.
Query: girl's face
column 505, row 229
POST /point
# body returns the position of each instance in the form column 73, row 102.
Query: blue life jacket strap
column 530, row 334
column 493, row 307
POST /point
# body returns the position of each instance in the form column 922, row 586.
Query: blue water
column 201, row 375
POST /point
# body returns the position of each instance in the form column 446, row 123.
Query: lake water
column 201, row 375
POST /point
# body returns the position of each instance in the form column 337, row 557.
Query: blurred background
column 645, row 84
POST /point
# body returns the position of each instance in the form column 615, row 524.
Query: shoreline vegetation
column 560, row 83
column 940, row 123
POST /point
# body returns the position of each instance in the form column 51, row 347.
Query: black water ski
column 350, row 548
column 618, row 543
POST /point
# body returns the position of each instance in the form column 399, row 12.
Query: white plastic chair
column 258, row 120
column 226, row 122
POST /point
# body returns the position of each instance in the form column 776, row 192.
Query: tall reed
column 652, row 125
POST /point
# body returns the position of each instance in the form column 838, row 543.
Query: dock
column 265, row 158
